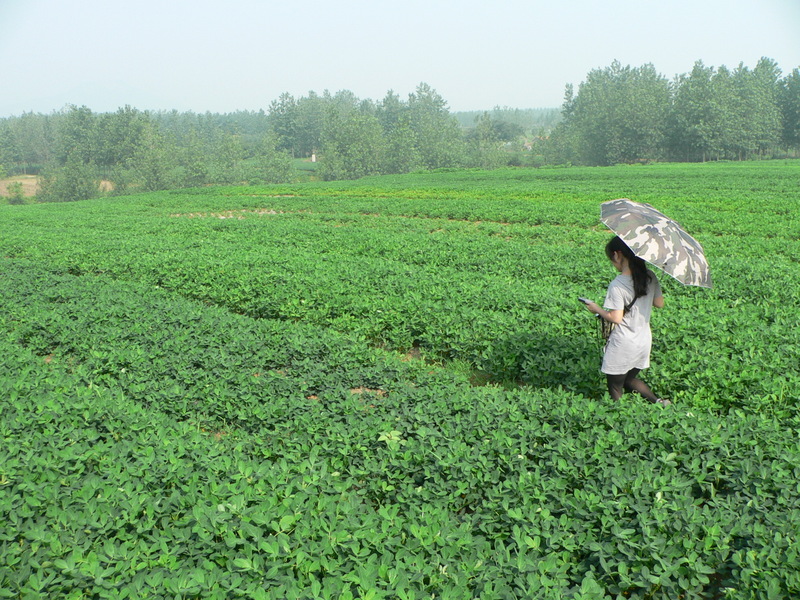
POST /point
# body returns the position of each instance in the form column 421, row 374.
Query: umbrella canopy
column 657, row 239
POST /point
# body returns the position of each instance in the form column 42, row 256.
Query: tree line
column 617, row 115
column 74, row 149
column 625, row 114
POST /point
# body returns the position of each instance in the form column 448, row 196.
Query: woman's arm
column 658, row 302
column 613, row 316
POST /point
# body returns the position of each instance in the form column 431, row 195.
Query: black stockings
column 619, row 384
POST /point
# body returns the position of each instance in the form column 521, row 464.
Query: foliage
column 271, row 165
column 514, row 121
column 625, row 114
column 696, row 122
column 74, row 181
column 790, row 108
column 620, row 114
column 436, row 132
column 352, row 145
column 485, row 147
column 259, row 406
column 438, row 251
column 152, row 161
column 75, row 136
column 16, row 193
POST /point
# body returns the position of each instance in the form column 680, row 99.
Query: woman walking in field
column 629, row 301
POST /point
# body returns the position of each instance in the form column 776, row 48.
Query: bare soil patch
column 365, row 390
column 229, row 214
column 30, row 184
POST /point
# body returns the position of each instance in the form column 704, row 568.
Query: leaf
column 533, row 542
column 287, row 521
column 243, row 564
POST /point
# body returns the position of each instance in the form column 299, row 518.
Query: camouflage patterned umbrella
column 657, row 239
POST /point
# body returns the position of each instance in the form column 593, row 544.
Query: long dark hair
column 641, row 276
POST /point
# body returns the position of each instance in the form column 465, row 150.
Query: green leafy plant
column 200, row 405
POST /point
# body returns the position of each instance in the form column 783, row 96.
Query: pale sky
column 232, row 55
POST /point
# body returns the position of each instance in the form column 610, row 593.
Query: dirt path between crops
column 244, row 213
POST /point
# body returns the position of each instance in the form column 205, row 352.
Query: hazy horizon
column 196, row 56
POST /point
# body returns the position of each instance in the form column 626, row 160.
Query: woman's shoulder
column 621, row 283
column 651, row 275
column 622, row 280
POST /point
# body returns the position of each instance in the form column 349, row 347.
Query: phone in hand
column 584, row 300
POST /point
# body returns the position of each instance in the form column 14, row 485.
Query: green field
column 386, row 389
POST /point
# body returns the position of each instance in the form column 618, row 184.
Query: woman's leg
column 634, row 384
column 617, row 384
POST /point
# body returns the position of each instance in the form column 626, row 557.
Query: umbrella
column 657, row 239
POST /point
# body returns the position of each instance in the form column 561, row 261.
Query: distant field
column 386, row 389
column 305, row 169
column 29, row 183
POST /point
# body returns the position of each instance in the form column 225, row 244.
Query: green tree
column 789, row 100
column 119, row 135
column 283, row 122
column 16, row 194
column 749, row 104
column 8, row 150
column 309, row 120
column 343, row 102
column 731, row 116
column 75, row 180
column 484, row 144
column 352, row 145
column 402, row 148
column 696, row 119
column 270, row 165
column 619, row 114
column 76, row 135
column 154, row 162
column 391, row 111
column 562, row 146
column 193, row 160
column 402, row 154
column 28, row 142
column 225, row 158
column 762, row 105
column 436, row 131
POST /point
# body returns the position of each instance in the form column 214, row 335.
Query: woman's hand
column 593, row 307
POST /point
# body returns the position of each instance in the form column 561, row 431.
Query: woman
column 629, row 300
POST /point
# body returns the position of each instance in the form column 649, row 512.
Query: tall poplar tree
column 76, row 135
column 437, row 133
column 118, row 135
column 309, row 119
column 619, row 114
column 402, row 152
column 283, row 121
column 789, row 100
column 762, row 97
column 352, row 144
column 695, row 117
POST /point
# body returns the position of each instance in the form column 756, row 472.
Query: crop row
column 499, row 296
column 161, row 447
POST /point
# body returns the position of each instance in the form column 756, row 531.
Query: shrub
column 74, row 181
column 16, row 194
